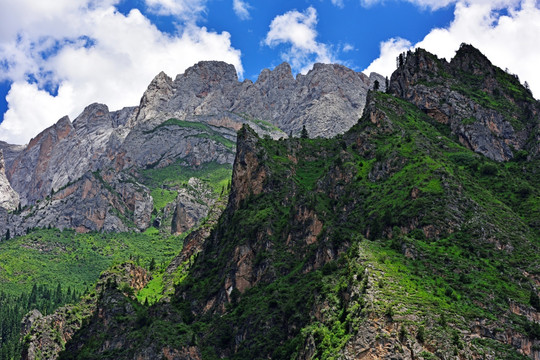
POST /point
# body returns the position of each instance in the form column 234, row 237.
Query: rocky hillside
column 487, row 109
column 397, row 239
column 74, row 174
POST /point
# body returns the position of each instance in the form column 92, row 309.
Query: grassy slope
column 217, row 176
column 76, row 260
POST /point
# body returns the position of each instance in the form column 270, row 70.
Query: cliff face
column 327, row 100
column 95, row 202
column 9, row 199
column 45, row 336
column 488, row 110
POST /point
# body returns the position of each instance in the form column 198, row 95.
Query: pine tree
column 304, row 134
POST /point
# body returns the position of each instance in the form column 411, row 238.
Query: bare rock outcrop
column 192, row 205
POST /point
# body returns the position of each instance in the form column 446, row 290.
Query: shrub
column 488, row 169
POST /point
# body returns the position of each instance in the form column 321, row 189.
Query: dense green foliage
column 215, row 175
column 13, row 307
column 452, row 232
column 31, row 264
column 75, row 260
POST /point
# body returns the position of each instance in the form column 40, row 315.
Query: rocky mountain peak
column 156, row 95
column 488, row 109
column 210, row 73
column 248, row 172
column 60, row 130
column 470, row 59
column 94, row 116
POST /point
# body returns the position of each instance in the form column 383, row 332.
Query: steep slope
column 205, row 107
column 66, row 151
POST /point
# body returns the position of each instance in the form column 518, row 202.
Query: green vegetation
column 75, row 260
column 13, row 307
column 452, row 234
column 393, row 230
column 215, row 175
column 32, row 264
column 265, row 125
column 162, row 197
column 412, row 177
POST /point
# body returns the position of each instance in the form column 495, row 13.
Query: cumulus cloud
column 338, row 3
column 297, row 29
column 91, row 53
column 241, row 9
column 509, row 40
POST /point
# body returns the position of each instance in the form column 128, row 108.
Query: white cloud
column 241, row 9
column 298, row 30
column 347, row 48
column 96, row 54
column 390, row 49
column 509, row 41
column 186, row 9
column 338, row 3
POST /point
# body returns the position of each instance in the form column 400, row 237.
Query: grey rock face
column 9, row 199
column 10, row 152
column 328, row 100
column 192, row 205
column 96, row 202
column 158, row 92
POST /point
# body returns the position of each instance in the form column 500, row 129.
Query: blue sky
column 57, row 57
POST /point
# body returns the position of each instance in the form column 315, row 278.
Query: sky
column 58, row 56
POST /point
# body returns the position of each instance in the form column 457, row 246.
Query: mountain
column 88, row 174
column 413, row 235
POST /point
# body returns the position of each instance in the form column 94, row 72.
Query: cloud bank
column 506, row 32
column 84, row 51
